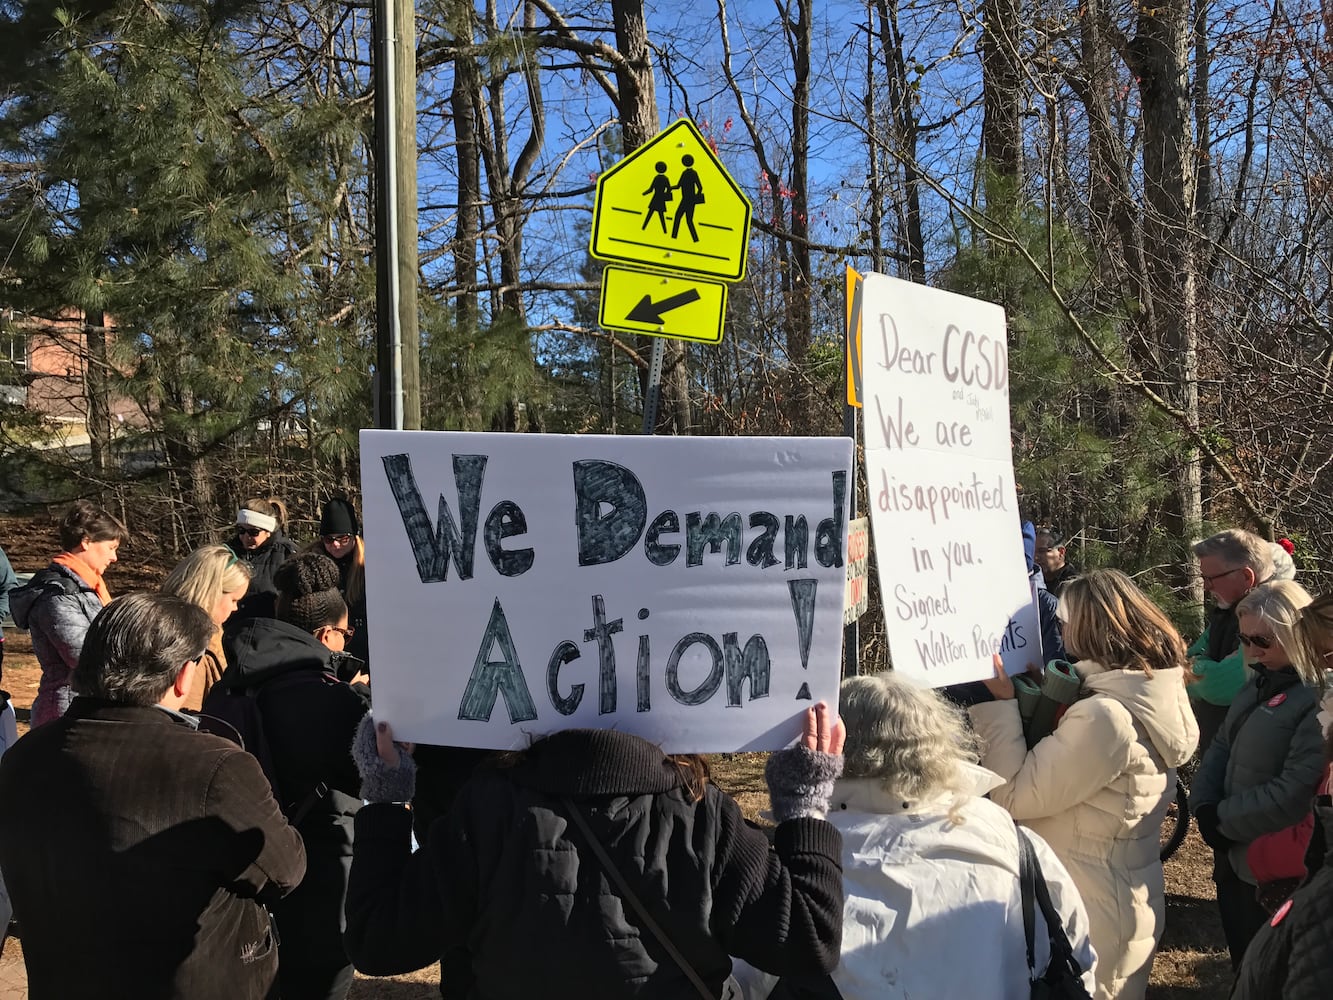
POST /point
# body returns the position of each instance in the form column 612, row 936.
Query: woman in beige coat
column 1098, row 787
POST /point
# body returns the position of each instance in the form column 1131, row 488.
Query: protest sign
column 689, row 590
column 858, row 565
column 943, row 505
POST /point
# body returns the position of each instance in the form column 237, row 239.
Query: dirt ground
column 1191, row 961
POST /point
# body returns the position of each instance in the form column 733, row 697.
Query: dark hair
column 308, row 594
column 87, row 520
column 136, row 645
column 1052, row 533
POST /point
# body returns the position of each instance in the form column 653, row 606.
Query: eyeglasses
column 1261, row 641
column 249, row 532
column 346, row 633
column 1208, row 580
column 337, row 539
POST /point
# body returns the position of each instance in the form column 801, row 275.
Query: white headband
column 255, row 519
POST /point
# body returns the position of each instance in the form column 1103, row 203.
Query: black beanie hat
column 308, row 595
column 339, row 518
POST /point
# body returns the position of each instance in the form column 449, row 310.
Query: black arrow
column 649, row 312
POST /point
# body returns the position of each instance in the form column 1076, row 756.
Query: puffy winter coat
column 57, row 607
column 1097, row 790
column 1292, row 955
column 1262, row 767
column 508, row 892
column 919, row 881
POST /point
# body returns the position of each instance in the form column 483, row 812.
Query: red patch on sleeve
column 1282, row 911
column 1277, row 700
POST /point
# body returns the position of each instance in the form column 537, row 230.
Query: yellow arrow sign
column 662, row 305
column 671, row 204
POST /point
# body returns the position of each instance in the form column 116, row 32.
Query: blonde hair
column 908, row 738
column 1107, row 618
column 1281, row 603
column 1312, row 635
column 356, row 576
column 205, row 575
column 1237, row 547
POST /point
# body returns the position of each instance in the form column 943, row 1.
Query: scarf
column 85, row 573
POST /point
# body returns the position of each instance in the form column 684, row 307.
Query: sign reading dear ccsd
column 689, row 590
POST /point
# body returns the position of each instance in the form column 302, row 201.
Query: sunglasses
column 1217, row 576
column 346, row 633
column 249, row 532
column 1261, row 641
column 337, row 539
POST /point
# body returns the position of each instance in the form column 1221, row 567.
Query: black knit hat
column 339, row 518
column 308, row 595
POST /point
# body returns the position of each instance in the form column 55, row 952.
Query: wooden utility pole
column 398, row 340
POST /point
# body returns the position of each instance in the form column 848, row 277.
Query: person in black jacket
column 509, row 872
column 261, row 544
column 340, row 539
column 309, row 719
column 1291, row 956
column 139, row 852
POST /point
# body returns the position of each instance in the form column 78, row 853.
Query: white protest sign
column 688, row 590
column 940, row 469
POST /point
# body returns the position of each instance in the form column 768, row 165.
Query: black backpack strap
column 1027, row 868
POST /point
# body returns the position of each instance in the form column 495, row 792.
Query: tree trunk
column 639, row 122
column 467, row 227
column 1001, row 87
column 1159, row 56
column 97, row 389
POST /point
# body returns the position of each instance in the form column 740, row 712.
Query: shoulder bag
column 1063, row 978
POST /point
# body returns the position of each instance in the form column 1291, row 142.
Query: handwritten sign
column 689, row 590
column 858, row 566
column 942, row 500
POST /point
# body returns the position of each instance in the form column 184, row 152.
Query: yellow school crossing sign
column 671, row 204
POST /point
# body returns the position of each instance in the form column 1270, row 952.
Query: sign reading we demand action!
column 689, row 590
column 943, row 503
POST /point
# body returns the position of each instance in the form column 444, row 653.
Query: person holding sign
column 622, row 870
column 1098, row 787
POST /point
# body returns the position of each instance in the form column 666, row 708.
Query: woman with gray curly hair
column 928, row 862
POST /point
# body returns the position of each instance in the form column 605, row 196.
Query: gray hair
column 908, row 738
column 1237, row 547
column 137, row 644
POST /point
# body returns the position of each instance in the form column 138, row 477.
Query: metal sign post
column 654, row 387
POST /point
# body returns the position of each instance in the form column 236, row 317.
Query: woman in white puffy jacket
column 933, row 905
column 1098, row 787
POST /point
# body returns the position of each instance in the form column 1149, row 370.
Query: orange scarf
column 85, row 573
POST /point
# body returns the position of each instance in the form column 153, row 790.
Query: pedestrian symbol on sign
column 638, row 196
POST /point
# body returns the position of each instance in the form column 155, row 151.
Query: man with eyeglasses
column 1232, row 563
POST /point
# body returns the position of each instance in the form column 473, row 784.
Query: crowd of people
column 909, row 824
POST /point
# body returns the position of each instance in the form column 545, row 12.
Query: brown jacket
column 134, row 849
